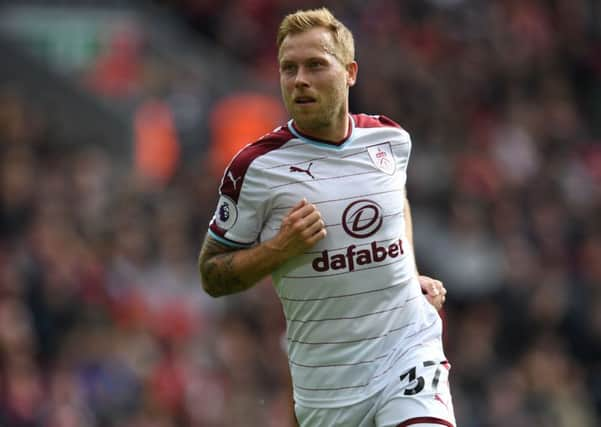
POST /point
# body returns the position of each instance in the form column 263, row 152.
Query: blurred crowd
column 102, row 320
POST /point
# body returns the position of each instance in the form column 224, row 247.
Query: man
column 320, row 205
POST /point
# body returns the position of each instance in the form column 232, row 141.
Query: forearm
column 225, row 273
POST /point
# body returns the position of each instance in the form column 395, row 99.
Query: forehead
column 315, row 42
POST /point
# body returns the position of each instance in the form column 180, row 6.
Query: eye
column 288, row 68
column 315, row 64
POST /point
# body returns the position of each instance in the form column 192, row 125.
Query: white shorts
column 418, row 392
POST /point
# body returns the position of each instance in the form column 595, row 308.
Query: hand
column 434, row 291
column 301, row 229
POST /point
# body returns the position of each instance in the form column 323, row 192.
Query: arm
column 433, row 289
column 226, row 270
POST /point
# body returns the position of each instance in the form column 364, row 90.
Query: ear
column 351, row 70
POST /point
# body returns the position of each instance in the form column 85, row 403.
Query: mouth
column 303, row 100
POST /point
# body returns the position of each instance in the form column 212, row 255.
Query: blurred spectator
column 238, row 119
column 117, row 71
column 156, row 145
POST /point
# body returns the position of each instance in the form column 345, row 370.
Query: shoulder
column 379, row 125
column 267, row 143
column 242, row 162
column 374, row 121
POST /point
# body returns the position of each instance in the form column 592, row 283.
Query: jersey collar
column 323, row 143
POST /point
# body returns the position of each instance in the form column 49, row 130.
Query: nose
column 301, row 78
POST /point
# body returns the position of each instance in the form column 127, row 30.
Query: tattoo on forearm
column 218, row 272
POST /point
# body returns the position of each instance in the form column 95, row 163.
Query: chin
column 313, row 120
column 309, row 124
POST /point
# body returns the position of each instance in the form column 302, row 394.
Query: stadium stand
column 102, row 319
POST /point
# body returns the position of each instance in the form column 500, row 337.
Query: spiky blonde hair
column 305, row 20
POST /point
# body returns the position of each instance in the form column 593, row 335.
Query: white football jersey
column 353, row 305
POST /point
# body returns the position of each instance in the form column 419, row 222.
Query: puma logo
column 234, row 180
column 307, row 171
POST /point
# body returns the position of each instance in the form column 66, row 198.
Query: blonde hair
column 305, row 20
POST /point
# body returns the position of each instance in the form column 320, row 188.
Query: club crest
column 382, row 157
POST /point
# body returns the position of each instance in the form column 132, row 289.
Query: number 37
column 411, row 374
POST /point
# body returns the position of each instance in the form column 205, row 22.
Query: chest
column 355, row 190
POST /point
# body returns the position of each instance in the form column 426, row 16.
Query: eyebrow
column 311, row 58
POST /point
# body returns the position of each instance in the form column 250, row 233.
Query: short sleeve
column 244, row 193
column 240, row 209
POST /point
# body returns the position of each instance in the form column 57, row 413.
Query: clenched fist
column 434, row 291
column 301, row 229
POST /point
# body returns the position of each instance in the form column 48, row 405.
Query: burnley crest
column 382, row 157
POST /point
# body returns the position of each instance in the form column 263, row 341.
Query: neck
column 335, row 131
